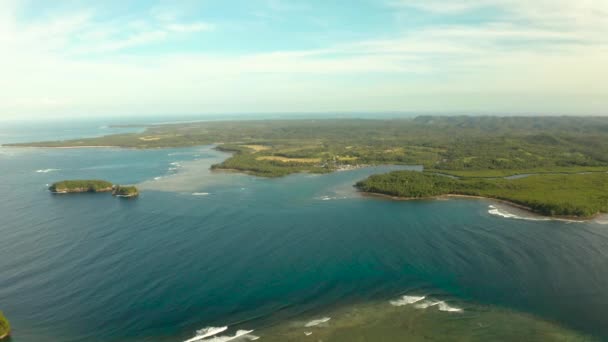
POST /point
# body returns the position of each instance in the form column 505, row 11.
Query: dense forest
column 581, row 195
column 81, row 186
column 93, row 185
column 474, row 144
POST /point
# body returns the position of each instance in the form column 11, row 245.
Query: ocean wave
column 493, row 210
column 200, row 194
column 158, row 178
column 331, row 198
column 238, row 334
column 207, row 332
column 407, row 300
column 443, row 306
column 420, row 302
column 316, row 322
column 47, row 170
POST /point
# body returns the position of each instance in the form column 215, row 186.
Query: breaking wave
column 200, row 194
column 443, row 306
column 493, row 210
column 406, row 300
column 316, row 322
column 47, row 170
column 210, row 334
column 420, row 302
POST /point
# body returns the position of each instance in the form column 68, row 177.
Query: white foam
column 425, row 304
column 47, row 170
column 175, row 164
column 503, row 213
column 316, row 322
column 443, row 306
column 200, row 194
column 207, row 332
column 407, row 300
column 158, row 178
column 308, row 333
column 239, row 333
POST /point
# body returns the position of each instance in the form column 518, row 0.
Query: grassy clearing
column 291, row 160
column 257, row 148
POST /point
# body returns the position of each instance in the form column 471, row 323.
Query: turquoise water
column 201, row 249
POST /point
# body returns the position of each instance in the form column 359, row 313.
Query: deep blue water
column 247, row 252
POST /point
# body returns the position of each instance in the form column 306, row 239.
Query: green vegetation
column 78, row 186
column 580, row 195
column 68, row 186
column 472, row 147
column 488, row 146
column 5, row 327
column 125, row 191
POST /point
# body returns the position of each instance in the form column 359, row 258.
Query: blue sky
column 91, row 58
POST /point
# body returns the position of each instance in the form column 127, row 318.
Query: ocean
column 304, row 257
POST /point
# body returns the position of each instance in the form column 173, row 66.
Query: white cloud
column 46, row 68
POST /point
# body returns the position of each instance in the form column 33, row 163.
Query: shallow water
column 201, row 249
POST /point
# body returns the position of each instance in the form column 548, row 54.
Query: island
column 93, row 186
column 555, row 195
column 125, row 191
column 77, row 186
column 5, row 327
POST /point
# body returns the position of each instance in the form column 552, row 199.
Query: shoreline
column 62, row 147
column 502, row 201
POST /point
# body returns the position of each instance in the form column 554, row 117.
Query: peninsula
column 5, row 327
column 469, row 148
column 559, row 195
column 93, row 186
column 484, row 145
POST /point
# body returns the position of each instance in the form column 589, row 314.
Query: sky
column 119, row 57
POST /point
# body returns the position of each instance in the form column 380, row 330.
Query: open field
column 291, row 160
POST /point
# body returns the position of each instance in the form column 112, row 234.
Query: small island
column 93, row 186
column 77, row 186
column 5, row 327
column 125, row 191
column 556, row 195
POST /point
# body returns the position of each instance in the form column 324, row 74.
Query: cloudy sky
column 121, row 57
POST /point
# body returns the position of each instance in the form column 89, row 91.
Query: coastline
column 61, row 147
column 502, row 201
